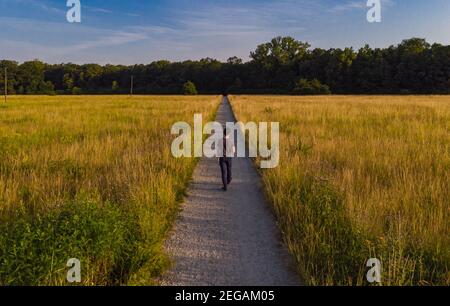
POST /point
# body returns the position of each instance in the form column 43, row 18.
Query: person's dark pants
column 225, row 167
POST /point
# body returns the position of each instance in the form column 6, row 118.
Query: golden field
column 361, row 177
column 89, row 177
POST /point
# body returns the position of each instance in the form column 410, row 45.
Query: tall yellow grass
column 361, row 177
column 112, row 151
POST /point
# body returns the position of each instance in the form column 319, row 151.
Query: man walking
column 225, row 162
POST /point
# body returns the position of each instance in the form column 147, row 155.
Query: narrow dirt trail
column 227, row 238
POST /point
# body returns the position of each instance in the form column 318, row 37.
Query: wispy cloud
column 37, row 4
column 76, row 39
column 349, row 6
column 112, row 39
column 258, row 22
column 132, row 14
column 98, row 9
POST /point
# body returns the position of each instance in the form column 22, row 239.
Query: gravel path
column 227, row 238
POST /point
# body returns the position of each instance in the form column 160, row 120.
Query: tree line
column 282, row 66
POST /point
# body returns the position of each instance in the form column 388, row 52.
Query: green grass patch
column 34, row 250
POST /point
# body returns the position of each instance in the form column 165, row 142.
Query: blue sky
column 140, row 31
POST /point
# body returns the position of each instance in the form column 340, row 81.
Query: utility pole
column 131, row 89
column 6, row 83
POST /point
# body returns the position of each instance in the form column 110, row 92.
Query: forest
column 282, row 66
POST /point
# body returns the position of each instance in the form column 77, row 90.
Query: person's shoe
column 224, row 188
column 229, row 182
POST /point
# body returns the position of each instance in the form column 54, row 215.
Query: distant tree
column 413, row 46
column 68, row 82
column 234, row 60
column 76, row 90
column 115, row 86
column 303, row 87
column 413, row 66
column 237, row 84
column 47, row 88
column 30, row 75
column 280, row 51
column 313, row 87
column 189, row 88
column 276, row 62
column 12, row 76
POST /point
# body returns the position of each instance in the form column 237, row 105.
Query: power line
column 6, row 83
column 131, row 87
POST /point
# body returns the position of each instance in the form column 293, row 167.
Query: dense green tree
column 189, row 88
column 279, row 51
column 68, row 82
column 12, row 69
column 413, row 66
column 115, row 86
column 313, row 87
column 30, row 76
column 234, row 60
